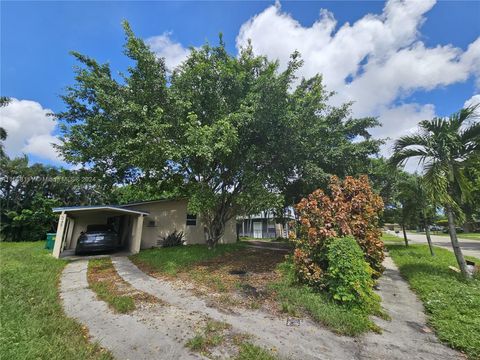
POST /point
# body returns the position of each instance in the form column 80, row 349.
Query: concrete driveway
column 469, row 247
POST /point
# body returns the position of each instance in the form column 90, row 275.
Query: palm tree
column 444, row 147
column 416, row 206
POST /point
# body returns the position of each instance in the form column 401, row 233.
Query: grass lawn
column 32, row 320
column 453, row 305
column 465, row 235
column 175, row 259
column 391, row 238
column 469, row 236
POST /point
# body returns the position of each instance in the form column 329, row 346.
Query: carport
column 74, row 220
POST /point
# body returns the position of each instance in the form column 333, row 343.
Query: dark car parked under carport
column 97, row 238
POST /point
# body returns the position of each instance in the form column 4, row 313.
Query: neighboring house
column 264, row 225
column 140, row 225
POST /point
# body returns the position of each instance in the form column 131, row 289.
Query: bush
column 173, row 239
column 348, row 277
column 351, row 208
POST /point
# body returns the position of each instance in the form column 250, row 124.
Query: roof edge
column 98, row 207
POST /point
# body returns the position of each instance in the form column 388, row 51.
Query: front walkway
column 160, row 332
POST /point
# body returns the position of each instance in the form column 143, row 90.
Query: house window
column 191, row 219
column 151, row 223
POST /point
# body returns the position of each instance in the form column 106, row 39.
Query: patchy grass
column 111, row 288
column 452, row 304
column 211, row 336
column 33, row 323
column 214, row 272
column 297, row 299
column 249, row 351
column 172, row 260
column 104, row 280
column 216, row 334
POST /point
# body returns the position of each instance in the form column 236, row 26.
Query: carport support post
column 57, row 248
column 137, row 235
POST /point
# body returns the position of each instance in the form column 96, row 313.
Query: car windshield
column 98, row 228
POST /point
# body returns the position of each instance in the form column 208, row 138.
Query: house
column 264, row 225
column 140, row 225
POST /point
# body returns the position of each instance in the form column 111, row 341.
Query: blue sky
column 388, row 38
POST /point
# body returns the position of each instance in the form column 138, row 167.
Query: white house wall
column 169, row 216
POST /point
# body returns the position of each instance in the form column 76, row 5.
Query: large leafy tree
column 231, row 133
column 446, row 148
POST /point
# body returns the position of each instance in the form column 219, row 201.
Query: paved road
column 469, row 247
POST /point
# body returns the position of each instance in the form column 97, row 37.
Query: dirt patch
column 231, row 280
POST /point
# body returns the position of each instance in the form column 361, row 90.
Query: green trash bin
column 50, row 241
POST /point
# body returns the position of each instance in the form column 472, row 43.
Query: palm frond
column 436, row 182
column 418, row 140
column 471, row 134
column 402, row 156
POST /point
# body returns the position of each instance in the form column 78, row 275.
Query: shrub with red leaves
column 351, row 208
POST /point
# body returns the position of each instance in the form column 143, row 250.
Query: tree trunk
column 404, row 235
column 214, row 231
column 429, row 239
column 455, row 245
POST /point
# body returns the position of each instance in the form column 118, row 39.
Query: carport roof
column 99, row 207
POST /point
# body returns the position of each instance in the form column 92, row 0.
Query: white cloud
column 29, row 130
column 474, row 100
column 375, row 62
column 163, row 46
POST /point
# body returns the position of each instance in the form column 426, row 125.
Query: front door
column 257, row 229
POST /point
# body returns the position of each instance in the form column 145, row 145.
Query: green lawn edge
column 34, row 325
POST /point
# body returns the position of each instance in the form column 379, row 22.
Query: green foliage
column 446, row 148
column 34, row 325
column 28, row 193
column 33, row 223
column 296, row 298
column 349, row 277
column 452, row 304
column 174, row 239
column 216, row 134
column 351, row 208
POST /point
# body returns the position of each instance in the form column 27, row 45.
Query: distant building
column 264, row 225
